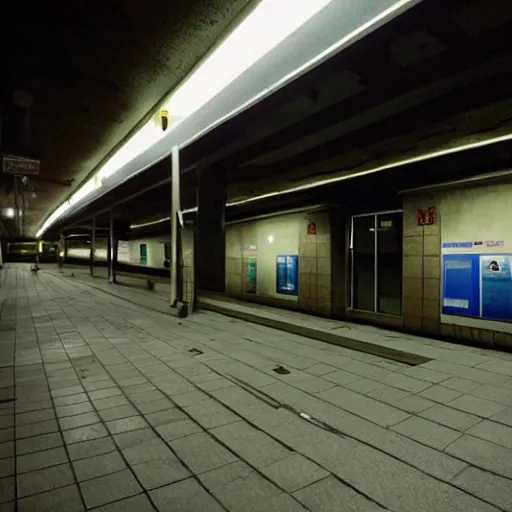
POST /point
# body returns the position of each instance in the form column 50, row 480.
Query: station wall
column 283, row 260
column 457, row 272
column 129, row 251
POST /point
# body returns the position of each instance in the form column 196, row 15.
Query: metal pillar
column 175, row 224
column 93, row 246
column 112, row 248
column 1, row 256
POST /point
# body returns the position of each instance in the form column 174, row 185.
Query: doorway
column 376, row 262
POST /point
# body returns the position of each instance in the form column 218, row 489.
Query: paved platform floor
column 106, row 405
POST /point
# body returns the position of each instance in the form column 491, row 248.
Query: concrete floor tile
column 117, row 413
column 139, row 503
column 483, row 454
column 166, row 417
column 440, row 394
column 157, row 405
column 44, row 480
column 367, row 408
column 250, row 444
column 504, row 417
column 450, row 417
column 294, row 472
column 427, row 432
column 87, row 433
column 177, row 429
column 101, row 465
column 92, row 448
column 110, row 402
column 492, row 488
column 82, row 420
column 156, row 473
column 7, row 489
column 7, row 467
column 414, row 404
column 104, row 393
column 74, row 409
column 134, row 437
column 38, row 443
column 40, row 460
column 36, row 429
column 280, row 503
column 126, row 424
column 202, row 453
column 184, row 497
column 494, row 432
column 110, row 488
column 7, row 449
column 476, row 406
column 328, row 494
column 71, row 400
column 28, row 418
column 66, row 499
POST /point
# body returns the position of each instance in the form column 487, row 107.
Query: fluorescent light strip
column 329, row 52
column 152, row 223
column 270, row 23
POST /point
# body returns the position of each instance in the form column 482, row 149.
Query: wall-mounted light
column 270, row 239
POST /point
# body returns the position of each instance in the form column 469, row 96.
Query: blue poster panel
column 478, row 285
column 287, row 274
column 461, row 284
column 143, row 254
column 496, row 287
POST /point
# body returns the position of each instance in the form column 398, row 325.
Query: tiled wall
column 421, row 268
column 315, row 264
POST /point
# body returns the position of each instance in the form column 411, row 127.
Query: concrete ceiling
column 95, row 68
column 438, row 76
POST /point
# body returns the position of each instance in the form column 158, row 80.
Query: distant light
column 8, row 213
column 270, row 239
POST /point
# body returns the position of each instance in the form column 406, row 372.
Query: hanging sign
column 20, row 165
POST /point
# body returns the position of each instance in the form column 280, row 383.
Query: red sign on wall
column 311, row 228
column 426, row 217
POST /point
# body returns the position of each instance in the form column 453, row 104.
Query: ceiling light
column 270, row 23
column 8, row 213
column 141, row 141
column 151, row 223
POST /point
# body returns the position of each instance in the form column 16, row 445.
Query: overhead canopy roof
column 94, row 68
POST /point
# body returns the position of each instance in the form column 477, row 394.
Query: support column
column 210, row 243
column 1, row 253
column 175, row 226
column 93, row 246
column 112, row 250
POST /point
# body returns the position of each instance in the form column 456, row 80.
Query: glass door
column 376, row 256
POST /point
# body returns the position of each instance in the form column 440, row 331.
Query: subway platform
column 109, row 403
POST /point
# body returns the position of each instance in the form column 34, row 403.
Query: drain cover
column 281, row 370
column 195, row 351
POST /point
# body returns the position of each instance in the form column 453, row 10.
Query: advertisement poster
column 287, row 279
column 250, row 276
column 477, row 279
